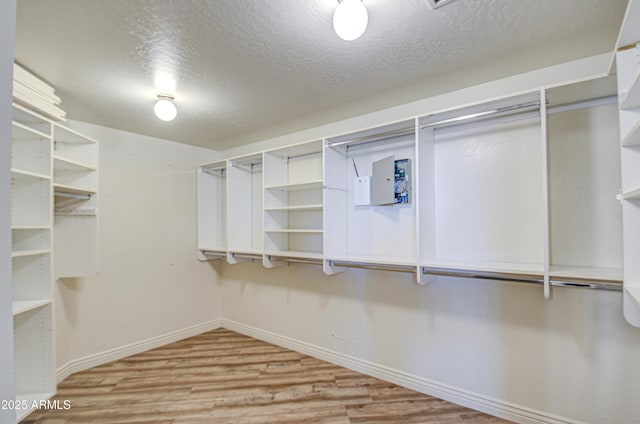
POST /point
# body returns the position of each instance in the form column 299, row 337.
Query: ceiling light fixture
column 164, row 107
column 350, row 19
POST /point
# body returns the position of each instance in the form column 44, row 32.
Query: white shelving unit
column 212, row 211
column 53, row 168
column 293, row 203
column 31, row 229
column 481, row 189
column 245, row 238
column 628, row 71
column 584, row 179
column 368, row 235
column 75, row 185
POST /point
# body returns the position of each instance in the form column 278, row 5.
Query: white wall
column 7, row 32
column 150, row 282
column 498, row 343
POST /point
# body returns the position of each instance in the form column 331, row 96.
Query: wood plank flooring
column 224, row 377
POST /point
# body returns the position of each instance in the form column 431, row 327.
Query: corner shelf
column 21, row 306
column 632, row 194
column 35, row 252
column 634, row 293
column 633, row 136
column 631, row 98
column 21, row 173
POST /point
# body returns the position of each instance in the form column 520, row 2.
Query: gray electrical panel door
column 383, row 182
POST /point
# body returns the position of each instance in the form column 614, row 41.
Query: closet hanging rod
column 246, row 256
column 521, row 278
column 246, row 165
column 373, row 138
column 374, row 267
column 483, row 114
column 72, row 195
column 295, row 260
column 303, row 155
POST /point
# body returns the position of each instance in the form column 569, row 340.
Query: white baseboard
column 131, row 349
column 499, row 408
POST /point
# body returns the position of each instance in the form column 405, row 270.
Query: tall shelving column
column 628, row 65
column 31, row 228
column 212, row 216
column 75, row 183
column 244, row 208
column 293, row 203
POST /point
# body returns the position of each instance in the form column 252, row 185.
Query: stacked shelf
column 628, row 70
column 31, row 229
column 293, row 203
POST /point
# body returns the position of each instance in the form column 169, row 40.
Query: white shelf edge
column 374, row 260
column 245, row 252
column 308, row 185
column 23, row 173
column 634, row 294
column 632, row 194
column 21, row 306
column 30, row 227
column 294, row 231
column 294, row 254
column 633, row 136
column 83, row 138
column 30, row 130
column 33, row 252
column 73, row 163
column 30, row 398
column 73, row 190
column 497, row 267
column 299, row 208
column 631, row 99
column 587, row 273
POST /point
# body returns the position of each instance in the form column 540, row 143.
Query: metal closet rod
column 373, row 137
column 374, row 267
column 72, row 195
column 521, row 278
column 295, row 260
column 246, row 256
column 483, row 114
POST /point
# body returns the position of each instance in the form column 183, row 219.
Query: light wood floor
column 225, row 377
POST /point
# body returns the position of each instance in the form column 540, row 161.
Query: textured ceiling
column 245, row 70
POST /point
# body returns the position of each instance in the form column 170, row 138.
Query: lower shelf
column 21, row 306
column 634, row 294
column 560, row 272
column 527, row 269
column 31, row 402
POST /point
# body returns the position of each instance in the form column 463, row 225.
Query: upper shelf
column 67, row 135
column 20, row 173
column 309, row 185
column 23, row 132
column 61, row 163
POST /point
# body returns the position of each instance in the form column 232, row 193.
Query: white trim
column 489, row 405
column 101, row 358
